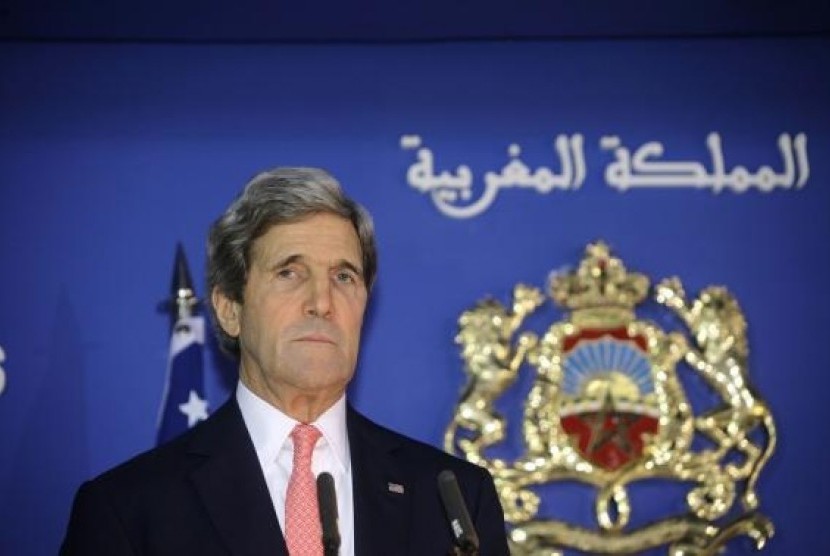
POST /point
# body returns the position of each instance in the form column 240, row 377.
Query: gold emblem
column 607, row 408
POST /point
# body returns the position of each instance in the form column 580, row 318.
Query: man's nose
column 319, row 297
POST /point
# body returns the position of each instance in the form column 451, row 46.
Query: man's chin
column 323, row 379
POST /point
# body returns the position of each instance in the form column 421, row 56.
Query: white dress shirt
column 270, row 430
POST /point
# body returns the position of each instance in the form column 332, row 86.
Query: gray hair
column 278, row 196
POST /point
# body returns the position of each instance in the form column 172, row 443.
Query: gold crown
column 601, row 288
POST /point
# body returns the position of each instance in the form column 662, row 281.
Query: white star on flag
column 195, row 409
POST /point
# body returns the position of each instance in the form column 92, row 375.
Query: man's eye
column 345, row 277
column 286, row 273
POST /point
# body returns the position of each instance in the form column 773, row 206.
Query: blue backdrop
column 111, row 153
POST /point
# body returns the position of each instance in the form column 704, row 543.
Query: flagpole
column 184, row 403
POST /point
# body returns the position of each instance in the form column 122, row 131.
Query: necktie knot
column 304, row 437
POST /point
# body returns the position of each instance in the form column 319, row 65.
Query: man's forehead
column 327, row 235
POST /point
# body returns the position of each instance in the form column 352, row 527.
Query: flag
column 184, row 402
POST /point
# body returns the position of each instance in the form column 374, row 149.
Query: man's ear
column 227, row 312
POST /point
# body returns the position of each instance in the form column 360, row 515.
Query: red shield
column 607, row 381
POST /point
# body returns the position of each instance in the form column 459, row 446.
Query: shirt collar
column 269, row 427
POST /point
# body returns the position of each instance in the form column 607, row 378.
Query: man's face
column 302, row 311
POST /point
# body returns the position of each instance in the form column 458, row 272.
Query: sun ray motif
column 605, row 355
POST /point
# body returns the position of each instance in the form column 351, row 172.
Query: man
column 290, row 267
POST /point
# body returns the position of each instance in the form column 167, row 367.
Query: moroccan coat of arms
column 607, row 408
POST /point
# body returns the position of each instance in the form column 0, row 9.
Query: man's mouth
column 315, row 338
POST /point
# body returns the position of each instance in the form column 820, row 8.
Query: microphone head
column 327, row 504
column 463, row 531
column 326, row 494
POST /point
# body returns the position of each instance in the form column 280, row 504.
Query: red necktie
column 303, row 533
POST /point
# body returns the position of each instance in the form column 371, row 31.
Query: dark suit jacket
column 204, row 494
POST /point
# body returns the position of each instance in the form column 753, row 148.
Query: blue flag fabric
column 184, row 402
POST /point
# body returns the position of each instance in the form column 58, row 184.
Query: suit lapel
column 382, row 503
column 231, row 486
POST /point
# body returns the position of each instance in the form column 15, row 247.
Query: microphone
column 327, row 504
column 466, row 538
